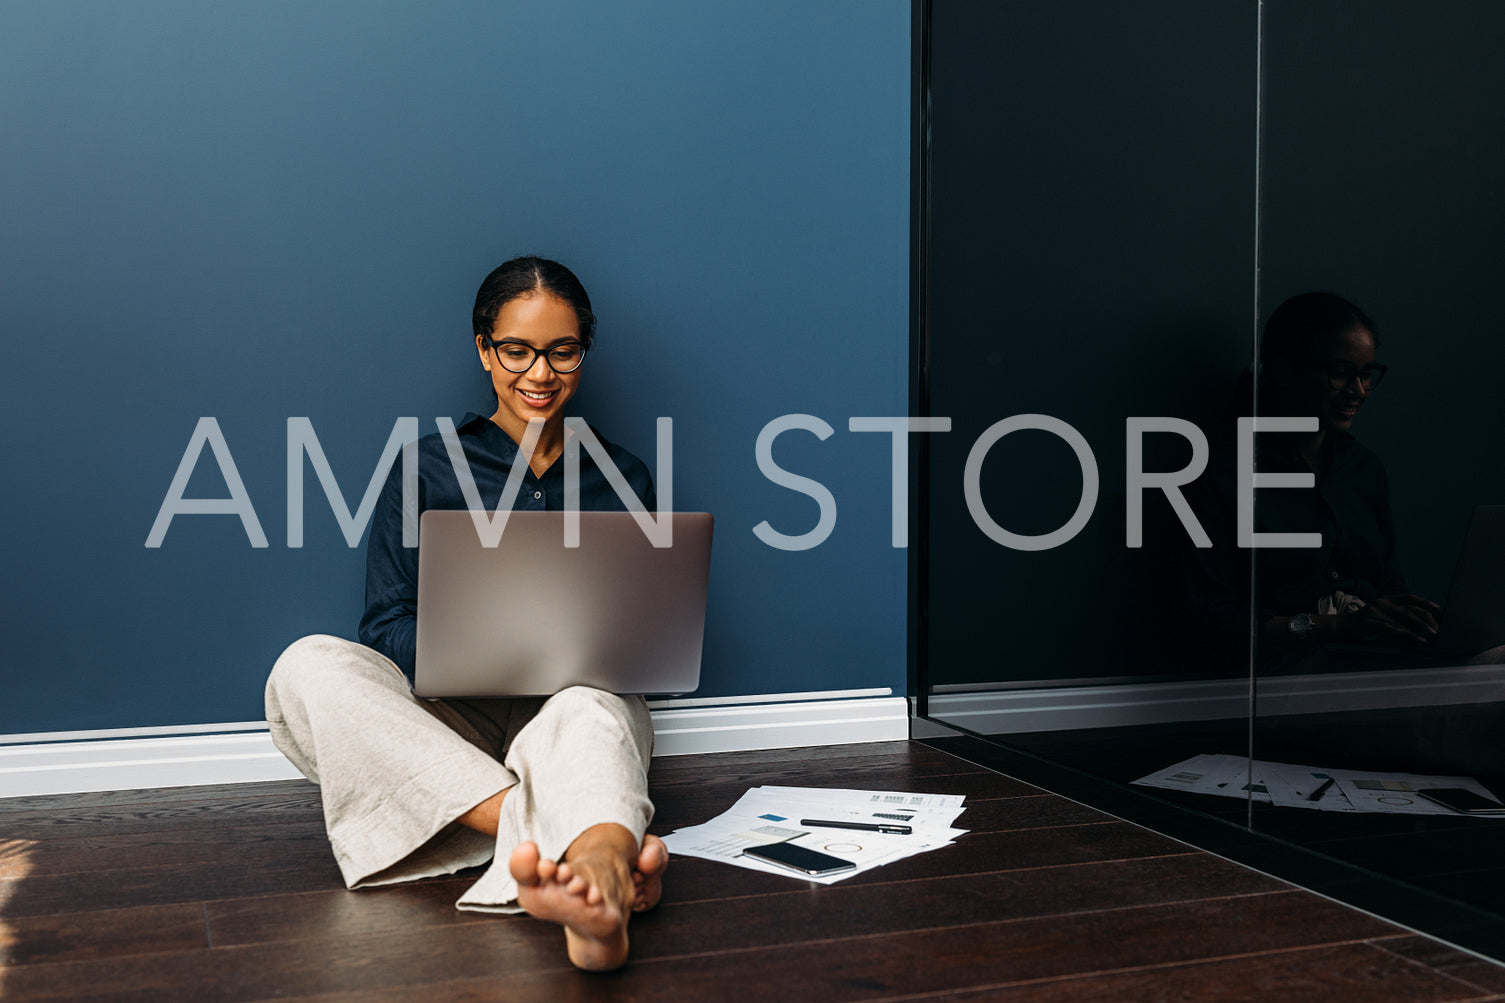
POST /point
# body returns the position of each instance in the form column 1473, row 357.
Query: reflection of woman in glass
column 1317, row 357
column 555, row 790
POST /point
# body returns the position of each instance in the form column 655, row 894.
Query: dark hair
column 1295, row 326
column 1301, row 321
column 523, row 277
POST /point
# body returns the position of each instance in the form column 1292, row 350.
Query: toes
column 647, row 877
column 524, row 865
column 654, row 856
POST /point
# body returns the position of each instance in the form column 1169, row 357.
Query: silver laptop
column 531, row 616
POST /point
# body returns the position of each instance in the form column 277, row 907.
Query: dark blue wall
column 257, row 211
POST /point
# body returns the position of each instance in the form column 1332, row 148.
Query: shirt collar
column 470, row 421
column 480, row 427
column 500, row 442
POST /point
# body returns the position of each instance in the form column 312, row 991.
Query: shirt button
column 1333, row 574
column 539, row 494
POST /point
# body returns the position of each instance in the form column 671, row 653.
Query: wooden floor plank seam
column 1379, row 944
column 974, row 988
column 952, row 927
column 897, row 882
column 771, row 896
column 1174, row 965
column 167, row 955
column 146, row 868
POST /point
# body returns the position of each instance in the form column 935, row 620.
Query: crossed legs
column 562, row 815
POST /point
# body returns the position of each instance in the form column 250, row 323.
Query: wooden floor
column 229, row 893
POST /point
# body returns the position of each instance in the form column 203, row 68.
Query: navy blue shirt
column 390, row 622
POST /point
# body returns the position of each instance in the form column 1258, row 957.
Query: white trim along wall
column 990, row 710
column 132, row 758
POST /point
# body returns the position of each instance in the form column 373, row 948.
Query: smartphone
column 797, row 858
column 1462, row 799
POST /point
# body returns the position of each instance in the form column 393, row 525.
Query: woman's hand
column 1403, row 619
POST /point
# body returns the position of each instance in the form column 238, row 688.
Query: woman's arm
column 1397, row 619
column 390, row 621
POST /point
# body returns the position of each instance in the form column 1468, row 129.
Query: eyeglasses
column 1340, row 375
column 517, row 357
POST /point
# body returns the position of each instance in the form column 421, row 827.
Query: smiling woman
column 1317, row 357
column 554, row 791
column 1316, row 360
column 533, row 325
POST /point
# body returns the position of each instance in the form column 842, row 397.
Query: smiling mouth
column 534, row 395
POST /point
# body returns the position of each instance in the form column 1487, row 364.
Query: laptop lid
column 531, row 616
column 1473, row 619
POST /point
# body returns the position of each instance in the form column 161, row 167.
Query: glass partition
column 1091, row 303
column 1115, row 546
column 1382, row 151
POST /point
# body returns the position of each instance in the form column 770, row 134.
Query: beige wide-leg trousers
column 396, row 770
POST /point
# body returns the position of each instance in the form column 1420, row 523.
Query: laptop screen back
column 532, row 616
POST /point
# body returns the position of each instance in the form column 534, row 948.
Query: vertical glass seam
column 1259, row 128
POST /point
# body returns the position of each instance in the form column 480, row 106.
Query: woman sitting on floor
column 553, row 791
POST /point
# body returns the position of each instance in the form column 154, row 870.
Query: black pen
column 897, row 830
column 1316, row 795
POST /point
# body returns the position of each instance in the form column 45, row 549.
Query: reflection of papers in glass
column 766, row 815
column 1293, row 786
column 1396, row 792
column 1304, row 787
column 1228, row 776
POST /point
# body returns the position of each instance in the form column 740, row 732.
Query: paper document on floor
column 773, row 814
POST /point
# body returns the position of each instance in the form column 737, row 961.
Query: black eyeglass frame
column 1340, row 375
column 494, row 345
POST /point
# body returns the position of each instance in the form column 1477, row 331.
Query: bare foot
column 648, row 874
column 589, row 893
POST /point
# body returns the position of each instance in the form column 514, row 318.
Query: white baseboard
column 70, row 767
column 128, row 759
column 1072, row 708
column 688, row 730
column 72, row 762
